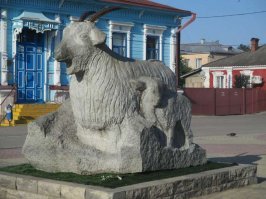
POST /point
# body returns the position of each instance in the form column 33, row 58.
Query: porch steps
column 25, row 113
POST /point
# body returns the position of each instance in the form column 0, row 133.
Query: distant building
column 31, row 29
column 221, row 73
column 197, row 54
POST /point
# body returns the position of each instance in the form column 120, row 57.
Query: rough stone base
column 52, row 145
column 18, row 186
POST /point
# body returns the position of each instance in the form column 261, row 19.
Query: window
column 219, row 79
column 120, row 35
column 120, row 43
column 198, row 62
column 219, row 82
column 186, row 62
column 152, row 48
column 153, row 42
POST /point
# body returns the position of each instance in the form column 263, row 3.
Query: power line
column 232, row 15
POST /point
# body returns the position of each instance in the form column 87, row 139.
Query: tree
column 243, row 47
column 241, row 81
column 183, row 70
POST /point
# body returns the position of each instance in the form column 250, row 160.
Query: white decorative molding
column 247, row 72
column 173, row 49
column 256, row 79
column 57, row 18
column 57, row 68
column 153, row 30
column 3, row 47
column 120, row 27
column 36, row 21
column 15, row 33
column 230, row 77
column 73, row 19
column 219, row 74
column 250, row 67
column 206, row 82
column 45, row 57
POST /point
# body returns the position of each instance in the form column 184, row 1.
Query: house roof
column 193, row 72
column 149, row 4
column 244, row 59
column 208, row 47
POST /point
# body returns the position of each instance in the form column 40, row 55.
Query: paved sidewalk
column 247, row 146
column 11, row 142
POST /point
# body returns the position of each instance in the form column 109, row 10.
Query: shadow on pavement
column 240, row 159
column 260, row 179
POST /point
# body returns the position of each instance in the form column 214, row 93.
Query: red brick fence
column 208, row 101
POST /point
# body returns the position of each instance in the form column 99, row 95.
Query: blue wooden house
column 31, row 29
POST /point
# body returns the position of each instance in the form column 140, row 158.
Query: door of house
column 29, row 70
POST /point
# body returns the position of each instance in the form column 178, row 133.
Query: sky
column 233, row 30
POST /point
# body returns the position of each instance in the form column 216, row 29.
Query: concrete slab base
column 188, row 186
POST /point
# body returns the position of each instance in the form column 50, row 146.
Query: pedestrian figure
column 9, row 114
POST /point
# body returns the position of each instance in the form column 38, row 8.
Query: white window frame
column 152, row 30
column 120, row 27
column 198, row 62
column 124, row 42
column 216, row 75
column 220, row 81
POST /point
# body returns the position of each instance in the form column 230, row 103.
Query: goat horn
column 85, row 15
column 102, row 12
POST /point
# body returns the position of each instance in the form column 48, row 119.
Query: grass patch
column 112, row 180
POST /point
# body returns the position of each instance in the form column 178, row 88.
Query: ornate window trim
column 152, row 30
column 219, row 74
column 120, row 27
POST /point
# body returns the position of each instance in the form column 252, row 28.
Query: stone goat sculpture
column 120, row 110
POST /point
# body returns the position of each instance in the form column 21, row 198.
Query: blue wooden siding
column 167, row 46
column 137, row 41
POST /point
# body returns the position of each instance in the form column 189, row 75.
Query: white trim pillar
column 161, row 48
column 111, row 36
column 57, row 68
column 145, row 44
column 206, row 83
column 230, row 77
column 3, row 47
column 173, row 50
column 128, row 44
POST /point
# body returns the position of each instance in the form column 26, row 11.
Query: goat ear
column 97, row 37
